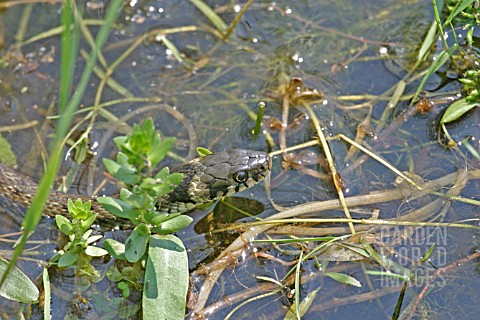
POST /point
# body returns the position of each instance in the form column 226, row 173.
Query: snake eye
column 240, row 176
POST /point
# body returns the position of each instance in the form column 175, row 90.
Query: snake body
column 206, row 179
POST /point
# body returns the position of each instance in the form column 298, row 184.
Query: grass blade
column 69, row 46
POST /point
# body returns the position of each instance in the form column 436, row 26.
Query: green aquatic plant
column 79, row 249
column 150, row 246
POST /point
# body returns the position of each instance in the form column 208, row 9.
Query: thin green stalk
column 258, row 122
column 439, row 24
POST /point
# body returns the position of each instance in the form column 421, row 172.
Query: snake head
column 221, row 174
column 235, row 170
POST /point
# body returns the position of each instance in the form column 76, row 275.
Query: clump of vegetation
column 79, row 250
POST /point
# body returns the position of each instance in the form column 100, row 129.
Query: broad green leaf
column 343, row 278
column 136, row 245
column 164, row 174
column 164, row 296
column 85, row 224
column 457, row 110
column 158, row 219
column 94, row 238
column 118, row 207
column 95, row 251
column 68, row 259
column 125, row 194
column 56, row 256
column 120, row 141
column 148, row 128
column 159, row 150
column 115, row 249
column 64, row 224
column 122, row 173
column 174, row 225
column 143, row 229
column 167, row 184
column 175, row 178
column 86, row 235
column 17, row 286
column 7, row 156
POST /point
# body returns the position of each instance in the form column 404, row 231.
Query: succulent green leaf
column 120, row 141
column 163, row 182
column 57, row 256
column 64, row 225
column 68, row 259
column 95, row 251
column 155, row 218
column 175, row 179
column 78, row 209
column 86, row 235
column 118, row 207
column 121, row 172
column 17, row 286
column 457, row 110
column 159, row 150
column 94, row 238
column 164, row 296
column 143, row 229
column 85, row 224
column 115, row 249
column 173, row 225
column 136, row 245
column 125, row 194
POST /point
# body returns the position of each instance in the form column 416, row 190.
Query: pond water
column 335, row 62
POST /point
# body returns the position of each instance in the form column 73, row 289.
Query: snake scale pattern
column 206, row 179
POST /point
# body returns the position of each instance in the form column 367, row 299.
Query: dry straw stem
column 379, row 159
column 331, row 165
column 458, row 178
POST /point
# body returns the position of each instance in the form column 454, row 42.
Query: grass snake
column 206, row 179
